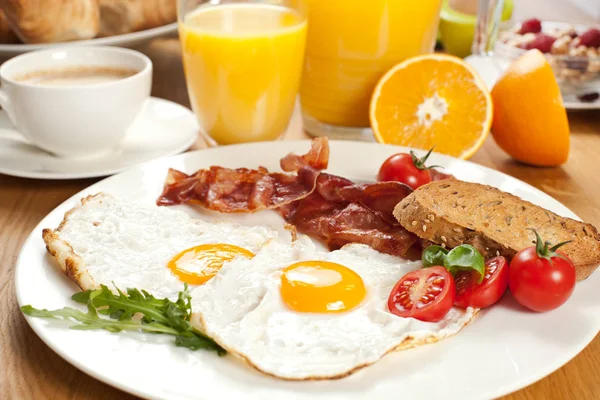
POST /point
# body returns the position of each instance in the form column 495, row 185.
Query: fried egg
column 287, row 307
column 109, row 241
column 297, row 312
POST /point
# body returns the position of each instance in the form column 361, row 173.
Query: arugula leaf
column 124, row 306
column 196, row 342
column 157, row 315
column 91, row 320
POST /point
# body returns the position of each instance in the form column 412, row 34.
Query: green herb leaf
column 196, row 342
column 123, row 309
column 433, row 255
column 91, row 320
column 124, row 306
column 465, row 257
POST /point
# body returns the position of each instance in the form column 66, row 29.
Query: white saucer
column 490, row 74
column 163, row 128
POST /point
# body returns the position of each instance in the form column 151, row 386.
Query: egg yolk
column 321, row 287
column 198, row 264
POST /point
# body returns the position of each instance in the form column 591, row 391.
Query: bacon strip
column 340, row 212
column 317, row 157
column 238, row 190
column 246, row 190
column 379, row 197
column 328, row 207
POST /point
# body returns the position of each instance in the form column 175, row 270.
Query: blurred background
column 457, row 18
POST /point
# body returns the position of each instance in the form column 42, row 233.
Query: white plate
column 162, row 129
column 504, row 349
column 490, row 73
column 126, row 40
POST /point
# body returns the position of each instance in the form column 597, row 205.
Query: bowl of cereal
column 572, row 50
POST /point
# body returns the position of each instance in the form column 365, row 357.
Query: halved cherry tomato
column 426, row 294
column 470, row 293
column 542, row 278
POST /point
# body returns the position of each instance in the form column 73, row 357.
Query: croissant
column 125, row 16
column 44, row 21
column 6, row 33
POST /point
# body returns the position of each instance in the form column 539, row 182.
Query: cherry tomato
column 471, row 293
column 541, row 278
column 408, row 169
column 400, row 167
column 426, row 294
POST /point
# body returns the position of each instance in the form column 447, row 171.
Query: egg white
column 123, row 243
column 242, row 309
column 129, row 244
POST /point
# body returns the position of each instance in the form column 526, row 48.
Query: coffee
column 76, row 76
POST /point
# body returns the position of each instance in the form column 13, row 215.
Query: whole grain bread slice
column 453, row 212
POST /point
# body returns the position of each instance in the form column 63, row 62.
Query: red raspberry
column 590, row 38
column 589, row 97
column 532, row 25
column 542, row 42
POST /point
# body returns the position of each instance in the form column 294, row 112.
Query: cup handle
column 7, row 106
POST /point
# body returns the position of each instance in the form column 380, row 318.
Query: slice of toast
column 453, row 212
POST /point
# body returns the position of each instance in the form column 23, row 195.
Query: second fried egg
column 298, row 313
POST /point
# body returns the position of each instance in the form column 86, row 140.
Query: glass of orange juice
column 350, row 45
column 243, row 62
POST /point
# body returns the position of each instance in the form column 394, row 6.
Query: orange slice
column 530, row 121
column 432, row 100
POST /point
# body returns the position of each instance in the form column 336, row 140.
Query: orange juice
column 243, row 64
column 351, row 44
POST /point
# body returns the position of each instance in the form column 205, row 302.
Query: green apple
column 457, row 28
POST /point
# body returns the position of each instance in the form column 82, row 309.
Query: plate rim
column 40, row 331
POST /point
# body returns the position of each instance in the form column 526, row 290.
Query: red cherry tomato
column 470, row 293
column 406, row 168
column 541, row 278
column 426, row 294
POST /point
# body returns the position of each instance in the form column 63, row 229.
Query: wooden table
column 30, row 370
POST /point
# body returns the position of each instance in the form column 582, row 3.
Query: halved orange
column 432, row 100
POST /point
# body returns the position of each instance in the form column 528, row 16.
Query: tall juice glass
column 350, row 45
column 243, row 63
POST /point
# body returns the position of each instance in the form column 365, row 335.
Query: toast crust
column 453, row 212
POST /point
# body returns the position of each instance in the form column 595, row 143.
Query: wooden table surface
column 30, row 370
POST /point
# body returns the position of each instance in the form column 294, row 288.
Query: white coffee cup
column 75, row 121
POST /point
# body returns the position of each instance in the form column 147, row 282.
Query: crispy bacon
column 247, row 190
column 328, row 207
column 340, row 212
column 343, row 223
column 238, row 190
column 317, row 157
column 380, row 197
column 397, row 243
